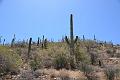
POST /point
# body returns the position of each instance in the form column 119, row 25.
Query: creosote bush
column 35, row 63
column 9, row 60
column 111, row 72
column 94, row 58
column 81, row 55
column 60, row 61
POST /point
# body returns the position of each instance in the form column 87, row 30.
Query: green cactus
column 44, row 43
column 3, row 42
column 43, row 39
column 83, row 38
column 29, row 47
column 94, row 38
column 72, row 41
column 13, row 41
column 38, row 42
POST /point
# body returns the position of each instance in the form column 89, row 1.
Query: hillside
column 94, row 61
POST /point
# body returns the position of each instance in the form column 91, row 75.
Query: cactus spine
column 29, row 47
column 71, row 42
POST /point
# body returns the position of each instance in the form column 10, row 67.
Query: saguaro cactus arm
column 76, row 39
column 67, row 40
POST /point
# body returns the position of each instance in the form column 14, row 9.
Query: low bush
column 111, row 72
column 60, row 61
column 35, row 63
column 9, row 60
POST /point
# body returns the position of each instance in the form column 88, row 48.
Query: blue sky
column 34, row 18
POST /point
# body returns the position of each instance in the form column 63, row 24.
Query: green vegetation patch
column 9, row 60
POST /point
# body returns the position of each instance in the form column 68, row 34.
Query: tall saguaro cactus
column 29, row 47
column 72, row 41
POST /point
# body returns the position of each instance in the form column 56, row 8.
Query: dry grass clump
column 64, row 74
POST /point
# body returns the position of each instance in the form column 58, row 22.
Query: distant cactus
column 94, row 38
column 43, row 38
column 83, row 38
column 3, row 42
column 13, row 41
column 29, row 47
column 38, row 42
column 71, row 42
column 44, row 43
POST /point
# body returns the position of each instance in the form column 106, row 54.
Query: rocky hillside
column 95, row 60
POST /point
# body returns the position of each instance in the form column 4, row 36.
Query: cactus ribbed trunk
column 71, row 36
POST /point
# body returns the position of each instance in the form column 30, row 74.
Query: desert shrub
column 21, row 44
column 111, row 72
column 4, row 65
column 85, row 68
column 88, row 71
column 9, row 60
column 118, row 55
column 94, row 57
column 35, row 63
column 60, row 61
column 81, row 54
column 91, row 76
column 110, row 52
